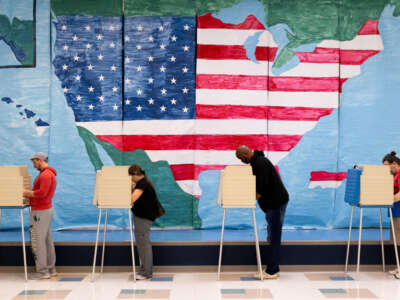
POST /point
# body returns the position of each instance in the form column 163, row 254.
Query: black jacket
column 268, row 183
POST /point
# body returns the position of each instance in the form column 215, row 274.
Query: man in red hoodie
column 41, row 216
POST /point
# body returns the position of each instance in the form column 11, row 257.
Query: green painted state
column 181, row 208
column 106, row 8
column 312, row 21
column 167, row 8
column 20, row 34
column 214, row 6
column 396, row 3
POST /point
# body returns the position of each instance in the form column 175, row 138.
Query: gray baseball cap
column 39, row 155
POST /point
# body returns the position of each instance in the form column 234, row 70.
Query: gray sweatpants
column 41, row 240
column 143, row 244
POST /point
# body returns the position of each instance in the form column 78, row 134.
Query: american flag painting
column 88, row 62
column 184, row 89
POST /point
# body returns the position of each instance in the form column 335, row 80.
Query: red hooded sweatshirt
column 43, row 189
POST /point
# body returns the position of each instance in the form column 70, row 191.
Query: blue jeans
column 275, row 218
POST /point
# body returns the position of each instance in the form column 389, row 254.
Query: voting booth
column 113, row 187
column 237, row 189
column 369, row 186
column 112, row 190
column 13, row 181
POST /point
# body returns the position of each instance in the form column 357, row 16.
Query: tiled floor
column 204, row 286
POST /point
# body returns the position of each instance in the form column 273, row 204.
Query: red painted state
column 327, row 176
column 207, row 21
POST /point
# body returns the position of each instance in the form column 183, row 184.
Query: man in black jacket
column 272, row 197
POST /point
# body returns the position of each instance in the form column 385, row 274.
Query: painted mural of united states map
column 184, row 87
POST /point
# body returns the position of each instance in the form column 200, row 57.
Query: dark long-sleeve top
column 268, row 183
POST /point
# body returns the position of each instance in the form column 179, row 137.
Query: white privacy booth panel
column 237, row 187
column 113, row 187
column 13, row 180
column 376, row 185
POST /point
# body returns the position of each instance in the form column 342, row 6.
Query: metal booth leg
column 104, row 241
column 382, row 246
column 257, row 245
column 348, row 240
column 359, row 242
column 395, row 243
column 220, row 244
column 23, row 242
column 95, row 247
column 132, row 248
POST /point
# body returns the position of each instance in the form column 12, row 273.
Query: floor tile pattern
column 203, row 286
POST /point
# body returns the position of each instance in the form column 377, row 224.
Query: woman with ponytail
column 394, row 162
column 145, row 210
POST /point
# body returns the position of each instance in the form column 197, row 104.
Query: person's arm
column 28, row 193
column 262, row 178
column 136, row 195
column 397, row 197
column 45, row 185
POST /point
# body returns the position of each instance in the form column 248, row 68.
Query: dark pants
column 275, row 219
column 143, row 244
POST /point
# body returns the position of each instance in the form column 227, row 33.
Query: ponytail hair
column 137, row 170
column 391, row 157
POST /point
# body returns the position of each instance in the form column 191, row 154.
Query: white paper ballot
column 237, row 187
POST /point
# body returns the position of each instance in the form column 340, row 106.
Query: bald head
column 244, row 153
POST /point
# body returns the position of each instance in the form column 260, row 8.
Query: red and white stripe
column 242, row 102
column 325, row 179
